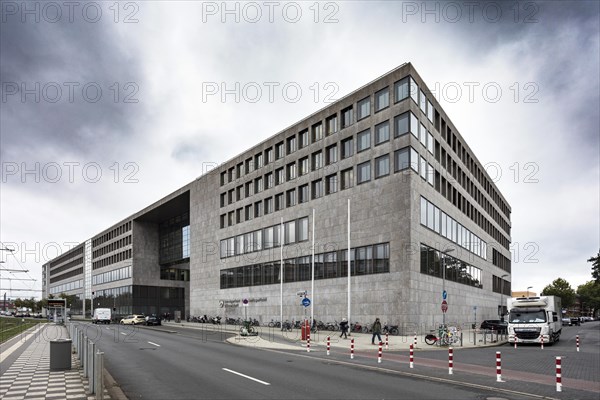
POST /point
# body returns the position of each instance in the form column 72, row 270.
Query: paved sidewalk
column 29, row 377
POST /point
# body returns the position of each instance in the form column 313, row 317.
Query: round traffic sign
column 306, row 302
column 444, row 306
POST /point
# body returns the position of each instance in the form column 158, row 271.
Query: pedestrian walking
column 376, row 328
column 344, row 328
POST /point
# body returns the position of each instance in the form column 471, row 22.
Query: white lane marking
column 157, row 345
column 246, row 376
column 123, row 333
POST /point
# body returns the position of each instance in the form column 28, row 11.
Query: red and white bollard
column 542, row 341
column 450, row 360
column 379, row 354
column 308, row 343
column 386, row 341
column 412, row 359
column 352, row 348
column 328, row 345
column 558, row 375
column 516, row 341
column 498, row 367
column 577, row 339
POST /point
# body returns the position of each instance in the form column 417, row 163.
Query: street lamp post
column 528, row 287
column 444, row 252
column 502, row 297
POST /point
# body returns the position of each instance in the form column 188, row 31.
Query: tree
column 562, row 289
column 595, row 267
column 589, row 293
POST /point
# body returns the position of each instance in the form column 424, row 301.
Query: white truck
column 101, row 316
column 534, row 319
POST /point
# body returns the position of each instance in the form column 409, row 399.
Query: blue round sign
column 306, row 302
column 444, row 295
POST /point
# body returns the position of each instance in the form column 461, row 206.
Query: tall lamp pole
column 444, row 253
column 502, row 297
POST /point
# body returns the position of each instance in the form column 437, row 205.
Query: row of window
column 66, row 275
column 175, row 274
column 111, row 276
column 403, row 89
column 499, row 260
column 440, row 222
column 67, row 266
column 365, row 172
column 500, row 285
column 293, row 232
column 112, row 246
column 65, row 287
column 434, row 261
column 366, row 260
column 124, row 255
column 74, row 253
column 118, row 231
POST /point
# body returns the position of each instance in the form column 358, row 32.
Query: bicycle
column 445, row 337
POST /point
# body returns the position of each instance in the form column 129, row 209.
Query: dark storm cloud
column 79, row 86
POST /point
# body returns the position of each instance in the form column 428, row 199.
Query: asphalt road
column 151, row 363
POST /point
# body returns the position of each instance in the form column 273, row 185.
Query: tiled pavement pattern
column 29, row 377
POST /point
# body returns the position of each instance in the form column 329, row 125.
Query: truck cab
column 534, row 319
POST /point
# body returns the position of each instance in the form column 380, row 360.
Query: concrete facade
column 383, row 210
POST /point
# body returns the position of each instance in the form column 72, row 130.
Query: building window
column 303, row 194
column 363, row 172
column 430, row 174
column 401, row 159
column 382, row 132
column 289, row 230
column 291, row 197
column 240, row 170
column 291, row 171
column 269, row 155
column 258, row 185
column 249, row 165
column 223, row 220
column 248, row 212
column 363, row 108
column 239, row 192
column 401, row 89
column 414, row 125
column 258, row 161
column 331, row 125
column 382, row 99
column 279, row 150
column 317, row 188
column 430, row 142
column 223, row 178
column 279, row 205
column 291, row 144
column 429, row 111
column 279, row 176
column 303, row 166
column 258, row 209
column 331, row 184
column 230, row 196
column 303, row 229
column 423, row 135
column 331, row 154
column 363, row 141
column 317, row 160
column 414, row 90
column 414, row 160
column 347, row 148
column 423, row 168
column 422, row 102
column 239, row 215
column 401, row 124
column 347, row 117
column 223, row 199
column 382, row 166
column 269, row 180
column 303, row 139
column 347, row 176
column 317, row 132
column 249, row 189
column 269, row 205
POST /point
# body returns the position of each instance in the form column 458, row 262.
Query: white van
column 101, row 316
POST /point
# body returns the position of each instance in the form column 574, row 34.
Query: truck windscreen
column 526, row 317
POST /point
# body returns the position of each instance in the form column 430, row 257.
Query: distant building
column 387, row 150
column 524, row 294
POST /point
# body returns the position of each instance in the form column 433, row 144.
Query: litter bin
column 60, row 354
column 305, row 330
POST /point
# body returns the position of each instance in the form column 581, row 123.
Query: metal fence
column 91, row 359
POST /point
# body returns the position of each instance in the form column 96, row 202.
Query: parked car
column 567, row 322
column 152, row 320
column 575, row 321
column 495, row 324
column 135, row 319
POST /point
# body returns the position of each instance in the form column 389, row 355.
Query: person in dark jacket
column 376, row 328
column 344, row 328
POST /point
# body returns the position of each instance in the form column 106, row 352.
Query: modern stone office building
column 386, row 157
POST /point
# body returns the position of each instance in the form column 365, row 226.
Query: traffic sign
column 444, row 306
column 444, row 295
column 306, row 302
column 245, row 302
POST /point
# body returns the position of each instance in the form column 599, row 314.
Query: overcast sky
column 106, row 109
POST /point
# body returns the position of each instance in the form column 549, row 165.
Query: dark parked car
column 153, row 320
column 575, row 321
column 495, row 325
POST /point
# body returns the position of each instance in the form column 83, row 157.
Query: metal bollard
column 91, row 365
column 99, row 384
column 84, row 359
